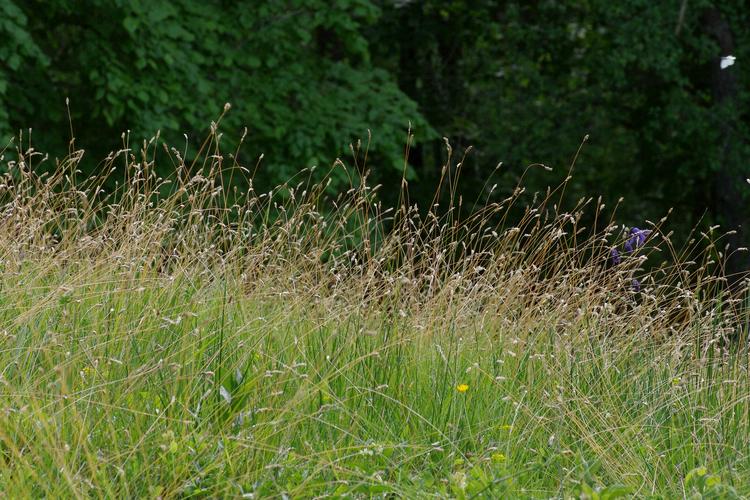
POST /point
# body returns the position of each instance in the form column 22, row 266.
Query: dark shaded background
column 521, row 81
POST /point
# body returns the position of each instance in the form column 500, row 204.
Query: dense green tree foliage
column 526, row 81
column 298, row 75
column 522, row 82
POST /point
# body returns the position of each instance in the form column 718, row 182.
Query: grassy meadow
column 173, row 338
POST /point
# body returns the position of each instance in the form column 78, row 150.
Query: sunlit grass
column 218, row 343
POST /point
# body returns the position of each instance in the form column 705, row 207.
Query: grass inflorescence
column 178, row 337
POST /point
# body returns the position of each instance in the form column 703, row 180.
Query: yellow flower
column 462, row 387
column 498, row 458
column 506, row 427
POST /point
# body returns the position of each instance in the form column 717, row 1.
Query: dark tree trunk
column 407, row 82
column 728, row 202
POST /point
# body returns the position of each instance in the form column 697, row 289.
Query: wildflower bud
column 614, row 257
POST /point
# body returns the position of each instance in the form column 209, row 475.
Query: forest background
column 522, row 82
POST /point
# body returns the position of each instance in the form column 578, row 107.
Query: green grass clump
column 175, row 338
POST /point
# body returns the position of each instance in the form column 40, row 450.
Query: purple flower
column 637, row 239
column 614, row 257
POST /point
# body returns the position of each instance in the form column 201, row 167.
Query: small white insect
column 727, row 61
